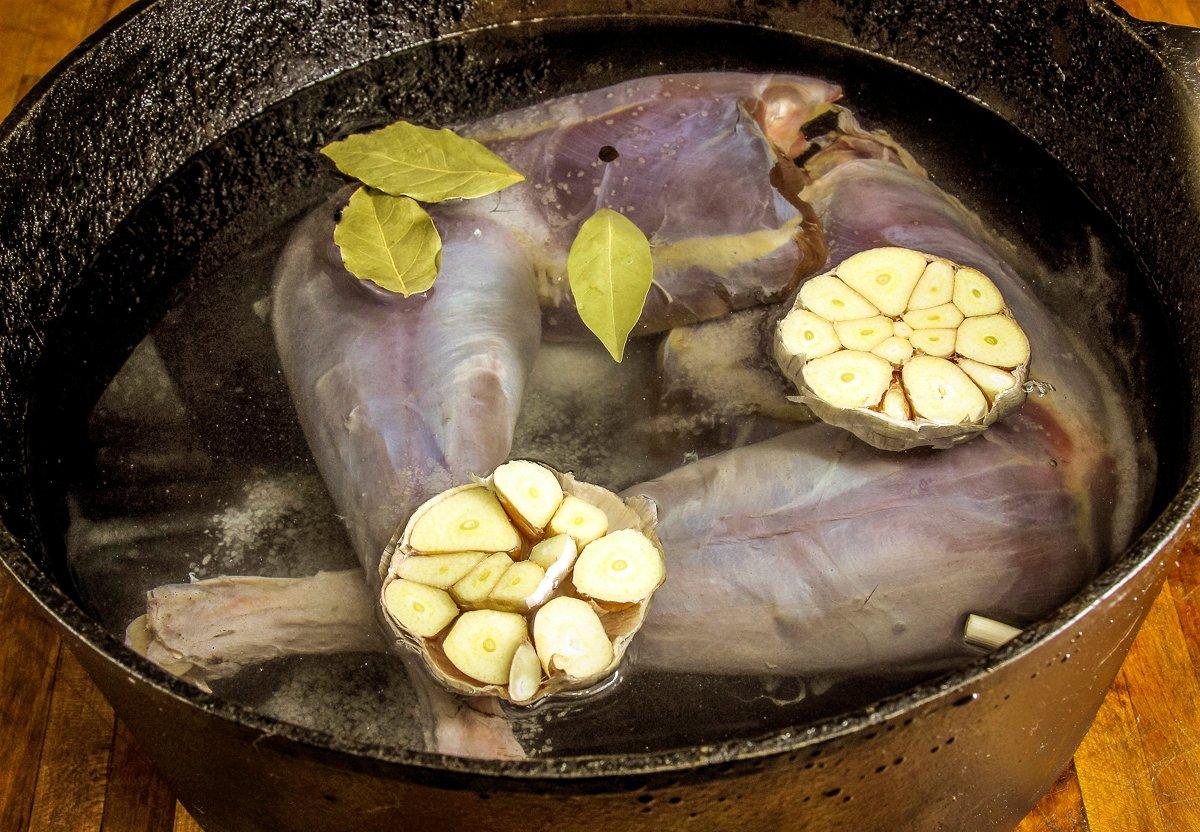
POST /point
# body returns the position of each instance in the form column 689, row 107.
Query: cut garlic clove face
column 442, row 571
column 622, row 567
column 579, row 519
column 425, row 610
column 884, row 276
column 994, row 340
column 941, row 392
column 477, row 585
column 975, row 294
column 482, row 643
column 941, row 359
column 525, row 674
column 469, row 520
column 831, row 299
column 849, row 378
column 991, row 380
column 935, row 287
column 895, row 404
column 552, row 550
column 936, row 342
column 516, row 586
column 865, row 334
column 529, row 491
column 808, row 335
column 895, row 349
column 477, row 638
column 945, row 316
column 570, row 638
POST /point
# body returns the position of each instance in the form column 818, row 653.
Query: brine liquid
column 197, row 467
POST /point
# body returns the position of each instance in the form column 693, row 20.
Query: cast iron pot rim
column 1141, row 555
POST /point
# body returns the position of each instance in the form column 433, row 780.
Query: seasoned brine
column 804, row 571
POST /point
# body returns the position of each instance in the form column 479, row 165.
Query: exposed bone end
column 988, row 633
column 581, row 520
column 442, row 571
column 140, row 638
column 622, row 567
column 529, row 492
column 473, row 589
column 884, row 276
column 211, row 629
column 482, row 643
column 718, row 365
column 525, row 674
column 943, row 361
column 424, row 610
column 467, row 519
column 570, row 639
column 516, row 587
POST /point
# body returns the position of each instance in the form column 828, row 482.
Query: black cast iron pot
column 141, row 158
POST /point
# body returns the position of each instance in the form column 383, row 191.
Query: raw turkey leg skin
column 694, row 160
column 868, row 193
column 399, row 399
column 369, row 377
column 814, row 553
column 402, row 398
column 216, row 627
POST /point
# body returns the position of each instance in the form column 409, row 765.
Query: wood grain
column 1113, row 772
column 1061, row 810
column 72, row 777
column 138, row 800
column 67, row 766
column 28, row 658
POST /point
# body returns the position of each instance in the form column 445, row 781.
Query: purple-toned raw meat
column 806, row 553
column 694, row 160
column 400, row 398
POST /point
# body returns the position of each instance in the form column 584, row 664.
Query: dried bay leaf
column 610, row 270
column 390, row 241
column 429, row 165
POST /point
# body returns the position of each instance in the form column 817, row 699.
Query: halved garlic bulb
column 904, row 349
column 524, row 584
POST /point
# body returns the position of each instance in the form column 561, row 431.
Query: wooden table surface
column 66, row 765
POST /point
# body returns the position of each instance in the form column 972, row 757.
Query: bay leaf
column 610, row 271
column 429, row 165
column 390, row 241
